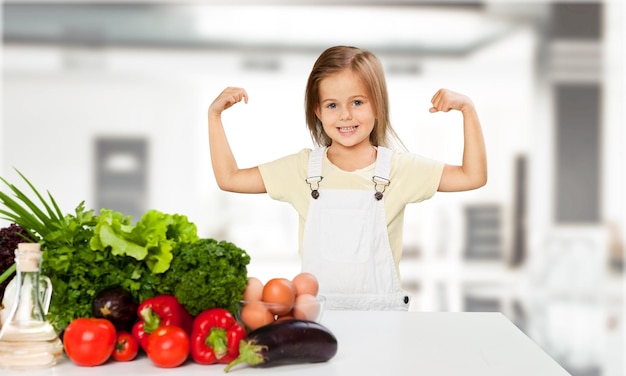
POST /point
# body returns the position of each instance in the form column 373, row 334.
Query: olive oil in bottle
column 27, row 339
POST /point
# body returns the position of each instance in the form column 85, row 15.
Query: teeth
column 346, row 129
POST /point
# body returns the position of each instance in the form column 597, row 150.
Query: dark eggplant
column 286, row 342
column 116, row 305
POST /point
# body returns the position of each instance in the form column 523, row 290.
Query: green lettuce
column 150, row 240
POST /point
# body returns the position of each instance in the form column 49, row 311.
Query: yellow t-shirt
column 413, row 179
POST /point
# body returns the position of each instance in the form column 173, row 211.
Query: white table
column 382, row 343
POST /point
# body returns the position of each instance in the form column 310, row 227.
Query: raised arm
column 472, row 173
column 228, row 175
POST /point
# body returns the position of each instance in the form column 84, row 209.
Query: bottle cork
column 27, row 257
column 33, row 247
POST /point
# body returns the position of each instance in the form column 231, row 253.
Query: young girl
column 351, row 191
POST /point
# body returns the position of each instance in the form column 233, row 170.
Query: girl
column 351, row 191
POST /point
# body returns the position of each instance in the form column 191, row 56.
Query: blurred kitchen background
column 106, row 103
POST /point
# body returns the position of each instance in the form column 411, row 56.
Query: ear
column 318, row 113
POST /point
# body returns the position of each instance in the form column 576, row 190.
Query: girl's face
column 345, row 109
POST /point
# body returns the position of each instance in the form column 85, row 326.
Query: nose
column 346, row 114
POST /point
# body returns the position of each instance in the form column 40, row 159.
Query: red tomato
column 89, row 341
column 126, row 347
column 168, row 346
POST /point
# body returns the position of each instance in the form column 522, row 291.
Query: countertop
column 381, row 343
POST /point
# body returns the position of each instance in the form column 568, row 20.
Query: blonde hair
column 366, row 66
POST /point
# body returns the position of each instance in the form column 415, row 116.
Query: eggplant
column 116, row 305
column 286, row 342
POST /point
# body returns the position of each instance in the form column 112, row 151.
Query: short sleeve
column 416, row 177
column 284, row 178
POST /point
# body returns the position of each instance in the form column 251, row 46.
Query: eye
column 331, row 106
column 357, row 102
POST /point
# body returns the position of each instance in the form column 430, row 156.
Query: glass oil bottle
column 27, row 339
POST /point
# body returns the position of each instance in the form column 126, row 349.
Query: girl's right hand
column 227, row 98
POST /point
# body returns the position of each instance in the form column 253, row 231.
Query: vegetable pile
column 154, row 286
column 215, row 337
column 85, row 253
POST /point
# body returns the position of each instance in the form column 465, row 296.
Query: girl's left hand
column 445, row 100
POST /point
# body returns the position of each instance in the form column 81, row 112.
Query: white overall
column 346, row 245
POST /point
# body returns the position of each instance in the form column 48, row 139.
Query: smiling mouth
column 347, row 129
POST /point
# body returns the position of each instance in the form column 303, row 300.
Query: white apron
column 346, row 245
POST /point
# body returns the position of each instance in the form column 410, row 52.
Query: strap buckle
column 314, row 185
column 380, row 181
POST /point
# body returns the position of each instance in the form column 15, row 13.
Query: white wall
column 52, row 114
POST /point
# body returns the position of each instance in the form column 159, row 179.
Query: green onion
column 23, row 211
column 7, row 273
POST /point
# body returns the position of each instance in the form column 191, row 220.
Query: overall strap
column 383, row 163
column 315, row 170
column 315, row 163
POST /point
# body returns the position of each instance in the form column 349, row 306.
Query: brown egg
column 306, row 307
column 254, row 290
column 255, row 315
column 305, row 283
column 280, row 295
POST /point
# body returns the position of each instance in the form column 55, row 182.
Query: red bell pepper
column 161, row 310
column 215, row 337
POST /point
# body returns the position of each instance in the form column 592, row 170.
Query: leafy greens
column 206, row 274
column 85, row 253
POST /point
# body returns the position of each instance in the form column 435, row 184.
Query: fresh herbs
column 85, row 253
column 94, row 253
column 206, row 274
